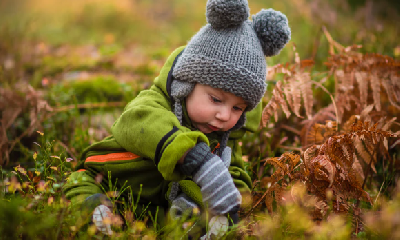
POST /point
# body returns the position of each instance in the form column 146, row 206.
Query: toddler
column 176, row 145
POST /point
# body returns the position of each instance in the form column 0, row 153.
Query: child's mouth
column 212, row 127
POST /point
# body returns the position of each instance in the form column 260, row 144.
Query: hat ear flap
column 272, row 30
column 240, row 123
column 227, row 13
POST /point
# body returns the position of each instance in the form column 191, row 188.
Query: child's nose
column 223, row 114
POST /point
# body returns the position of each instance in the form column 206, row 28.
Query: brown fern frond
column 362, row 81
column 270, row 109
column 310, row 153
column 277, row 100
column 323, row 169
column 295, row 93
column 359, row 172
column 348, row 125
column 327, row 113
column 281, row 99
column 376, row 91
column 364, row 154
column 305, row 85
column 315, row 135
column 276, row 162
column 340, row 150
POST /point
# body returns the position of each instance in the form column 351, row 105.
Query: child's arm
column 150, row 129
column 79, row 186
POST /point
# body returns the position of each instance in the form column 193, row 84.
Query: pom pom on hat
column 227, row 13
column 272, row 29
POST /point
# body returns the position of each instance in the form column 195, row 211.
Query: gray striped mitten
column 211, row 174
column 183, row 206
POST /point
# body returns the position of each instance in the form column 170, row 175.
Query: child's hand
column 183, row 206
column 226, row 156
column 211, row 174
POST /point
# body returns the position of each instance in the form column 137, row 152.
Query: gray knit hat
column 229, row 52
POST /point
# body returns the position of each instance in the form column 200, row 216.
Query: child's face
column 211, row 109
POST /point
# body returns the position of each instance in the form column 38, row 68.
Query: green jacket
column 149, row 129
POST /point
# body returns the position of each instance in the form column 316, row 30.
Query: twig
column 255, row 205
column 68, row 150
column 333, row 101
column 291, row 129
column 289, row 148
column 89, row 105
column 369, row 168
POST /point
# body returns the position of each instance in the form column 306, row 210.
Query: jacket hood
column 164, row 83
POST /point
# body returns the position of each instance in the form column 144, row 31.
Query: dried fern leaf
column 395, row 79
column 365, row 156
column 276, row 162
column 310, row 153
column 295, row 92
column 362, row 81
column 269, row 200
column 315, row 136
column 392, row 96
column 307, row 93
column 269, row 109
column 291, row 160
column 327, row 113
column 359, row 172
column 323, row 169
column 335, row 151
column 376, row 91
column 388, row 124
column 288, row 94
column 281, row 99
column 367, row 110
column 277, row 100
column 347, row 126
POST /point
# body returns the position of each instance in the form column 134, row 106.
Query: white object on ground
column 101, row 213
column 217, row 226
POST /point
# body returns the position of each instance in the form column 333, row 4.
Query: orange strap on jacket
column 112, row 157
column 216, row 147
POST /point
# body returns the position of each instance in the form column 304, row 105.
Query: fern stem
column 289, row 148
column 369, row 168
column 333, row 101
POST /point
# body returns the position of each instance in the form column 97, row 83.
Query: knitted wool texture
column 229, row 52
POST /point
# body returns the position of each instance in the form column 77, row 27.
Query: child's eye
column 238, row 109
column 214, row 99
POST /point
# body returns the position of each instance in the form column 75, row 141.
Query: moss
column 100, row 89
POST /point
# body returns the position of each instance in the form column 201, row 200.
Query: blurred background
column 68, row 68
column 88, row 52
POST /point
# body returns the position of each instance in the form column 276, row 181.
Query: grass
column 87, row 59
